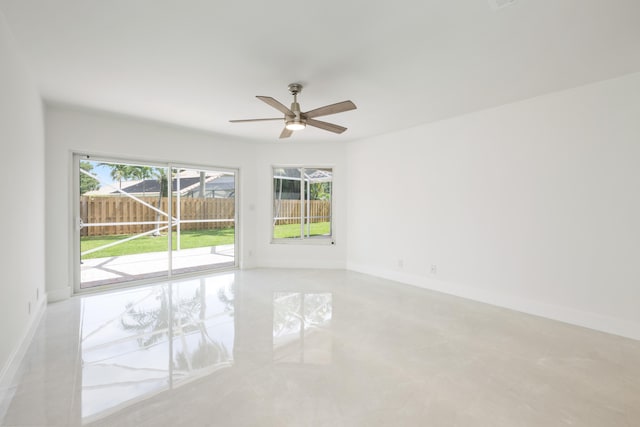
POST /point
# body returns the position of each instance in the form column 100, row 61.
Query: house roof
column 153, row 185
column 220, row 182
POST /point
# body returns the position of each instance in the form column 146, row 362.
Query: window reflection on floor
column 159, row 338
column 301, row 327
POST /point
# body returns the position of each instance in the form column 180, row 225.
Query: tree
column 87, row 183
column 119, row 172
column 142, row 173
column 175, row 318
column 202, row 187
column 163, row 180
column 320, row 190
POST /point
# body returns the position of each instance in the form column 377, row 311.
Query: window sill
column 321, row 241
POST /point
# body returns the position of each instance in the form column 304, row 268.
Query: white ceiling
column 199, row 63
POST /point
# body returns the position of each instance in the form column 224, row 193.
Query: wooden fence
column 320, row 209
column 116, row 209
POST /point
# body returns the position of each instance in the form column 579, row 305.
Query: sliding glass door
column 138, row 220
column 204, row 232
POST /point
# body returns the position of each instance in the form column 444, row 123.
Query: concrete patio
column 119, row 269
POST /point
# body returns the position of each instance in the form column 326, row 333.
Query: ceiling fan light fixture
column 295, row 125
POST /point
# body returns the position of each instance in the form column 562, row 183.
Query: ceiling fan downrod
column 296, row 122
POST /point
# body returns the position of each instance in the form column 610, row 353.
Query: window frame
column 303, row 239
column 76, row 156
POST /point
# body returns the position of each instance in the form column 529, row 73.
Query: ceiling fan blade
column 253, row 120
column 276, row 104
column 338, row 107
column 286, row 133
column 326, row 126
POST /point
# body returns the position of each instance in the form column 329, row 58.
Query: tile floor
column 332, row 348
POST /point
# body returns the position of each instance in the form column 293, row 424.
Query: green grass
column 188, row 240
column 293, row 230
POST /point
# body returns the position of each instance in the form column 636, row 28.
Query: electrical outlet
column 434, row 269
column 400, row 263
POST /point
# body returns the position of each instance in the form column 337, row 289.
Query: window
column 302, row 204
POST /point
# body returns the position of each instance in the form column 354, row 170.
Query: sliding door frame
column 74, row 262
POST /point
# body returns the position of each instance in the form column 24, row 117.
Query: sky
column 103, row 173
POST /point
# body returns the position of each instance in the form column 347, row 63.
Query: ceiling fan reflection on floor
column 294, row 119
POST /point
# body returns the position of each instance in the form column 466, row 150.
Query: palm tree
column 153, row 322
column 142, row 173
column 201, row 189
column 189, row 315
column 163, row 191
column 119, row 172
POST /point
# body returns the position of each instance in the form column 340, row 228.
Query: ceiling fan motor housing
column 296, row 122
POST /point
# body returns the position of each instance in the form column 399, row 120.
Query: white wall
column 533, row 205
column 70, row 129
column 22, row 212
column 313, row 255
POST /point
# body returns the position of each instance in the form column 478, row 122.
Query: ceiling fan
column 294, row 119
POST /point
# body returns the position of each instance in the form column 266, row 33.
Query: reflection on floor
column 314, row 347
column 301, row 327
column 139, row 342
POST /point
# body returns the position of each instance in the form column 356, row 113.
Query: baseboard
column 310, row 263
column 54, row 295
column 569, row 315
column 12, row 367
